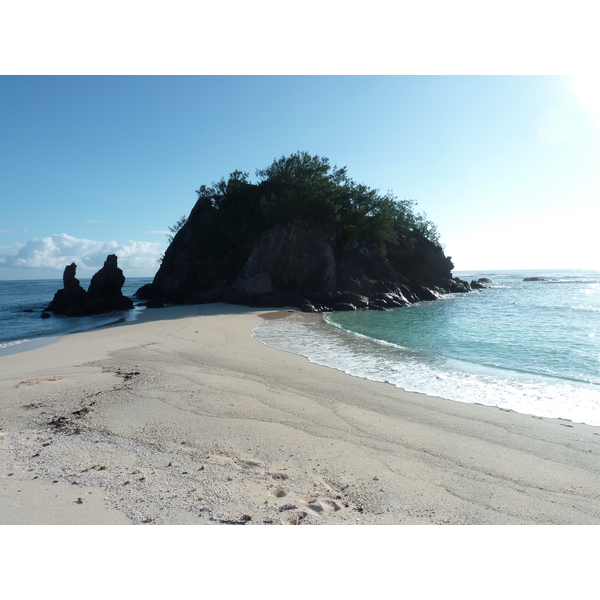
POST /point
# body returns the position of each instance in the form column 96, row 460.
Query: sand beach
column 183, row 418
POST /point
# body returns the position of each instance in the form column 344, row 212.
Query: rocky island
column 305, row 235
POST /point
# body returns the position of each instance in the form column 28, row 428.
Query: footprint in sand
column 278, row 493
column 294, row 518
column 323, row 507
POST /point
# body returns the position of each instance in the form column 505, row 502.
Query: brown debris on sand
column 37, row 380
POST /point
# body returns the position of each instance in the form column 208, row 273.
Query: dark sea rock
column 309, row 307
column 376, row 306
column 155, row 303
column 481, row 283
column 457, row 286
column 534, row 279
column 356, row 300
column 341, row 306
column 104, row 293
column 145, row 292
column 71, row 300
column 390, row 299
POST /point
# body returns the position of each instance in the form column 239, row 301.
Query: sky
column 506, row 166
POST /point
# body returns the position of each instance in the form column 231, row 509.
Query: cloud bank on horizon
column 52, row 254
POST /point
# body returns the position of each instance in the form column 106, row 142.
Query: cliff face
column 300, row 264
column 288, row 261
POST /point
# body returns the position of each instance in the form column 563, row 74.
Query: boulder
column 346, row 306
column 390, row 300
column 456, row 285
column 481, row 283
column 357, row 300
column 145, row 292
column 155, row 303
column 376, row 306
column 310, row 307
column 425, row 294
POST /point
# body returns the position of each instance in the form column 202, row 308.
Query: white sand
column 182, row 418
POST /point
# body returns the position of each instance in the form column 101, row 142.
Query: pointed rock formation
column 72, row 299
column 104, row 294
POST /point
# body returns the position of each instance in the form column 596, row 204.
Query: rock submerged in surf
column 481, row 283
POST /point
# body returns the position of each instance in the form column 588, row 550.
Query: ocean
column 528, row 346
column 21, row 329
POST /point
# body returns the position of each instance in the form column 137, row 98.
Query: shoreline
column 180, row 417
column 26, row 345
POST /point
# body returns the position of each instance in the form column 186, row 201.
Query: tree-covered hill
column 302, row 233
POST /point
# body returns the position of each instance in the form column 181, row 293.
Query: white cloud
column 9, row 250
column 57, row 251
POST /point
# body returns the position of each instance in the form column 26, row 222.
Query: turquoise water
column 20, row 329
column 528, row 346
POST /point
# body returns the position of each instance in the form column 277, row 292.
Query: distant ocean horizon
column 528, row 346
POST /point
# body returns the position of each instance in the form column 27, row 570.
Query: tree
column 175, row 228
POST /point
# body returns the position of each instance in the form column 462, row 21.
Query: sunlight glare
column 587, row 88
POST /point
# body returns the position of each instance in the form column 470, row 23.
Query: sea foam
column 546, row 393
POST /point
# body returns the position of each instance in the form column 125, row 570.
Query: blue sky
column 506, row 166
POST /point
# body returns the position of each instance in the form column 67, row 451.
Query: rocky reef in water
column 103, row 295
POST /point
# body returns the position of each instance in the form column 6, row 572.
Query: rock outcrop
column 72, row 299
column 103, row 295
column 299, row 264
